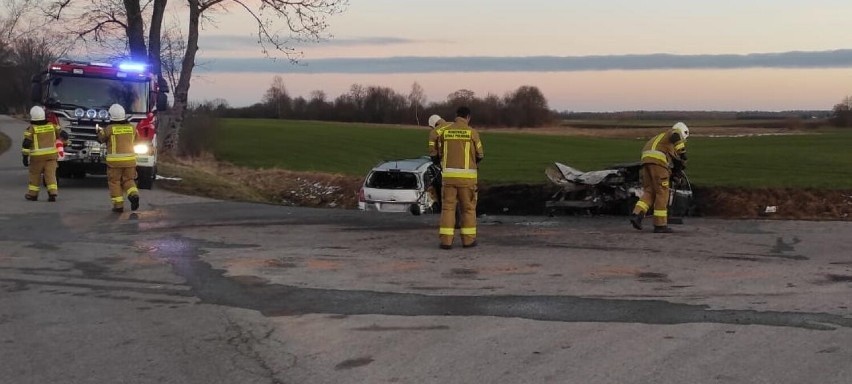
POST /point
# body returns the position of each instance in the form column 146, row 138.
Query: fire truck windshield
column 91, row 92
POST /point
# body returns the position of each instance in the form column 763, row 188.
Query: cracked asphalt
column 192, row 290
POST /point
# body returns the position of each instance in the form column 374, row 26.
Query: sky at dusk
column 584, row 56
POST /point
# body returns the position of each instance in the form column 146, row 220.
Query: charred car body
column 613, row 190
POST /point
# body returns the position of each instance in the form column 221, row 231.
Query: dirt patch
column 206, row 177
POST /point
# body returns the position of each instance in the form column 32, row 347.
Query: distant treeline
column 524, row 107
column 696, row 115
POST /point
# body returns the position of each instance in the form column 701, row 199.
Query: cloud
column 798, row 59
column 234, row 42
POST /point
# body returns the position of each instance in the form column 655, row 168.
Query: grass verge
column 200, row 180
column 5, row 143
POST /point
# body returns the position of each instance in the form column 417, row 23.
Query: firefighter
column 460, row 153
column 438, row 125
column 120, row 137
column 40, row 154
column 660, row 154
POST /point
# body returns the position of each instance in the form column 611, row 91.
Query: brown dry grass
column 207, row 177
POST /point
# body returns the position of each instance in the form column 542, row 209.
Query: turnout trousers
column 42, row 165
column 121, row 180
column 655, row 193
column 460, row 192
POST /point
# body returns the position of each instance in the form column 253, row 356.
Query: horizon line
column 840, row 58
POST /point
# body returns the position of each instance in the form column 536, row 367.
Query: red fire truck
column 77, row 95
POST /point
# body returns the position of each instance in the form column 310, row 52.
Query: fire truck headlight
column 79, row 112
column 91, row 113
column 103, row 114
column 140, row 149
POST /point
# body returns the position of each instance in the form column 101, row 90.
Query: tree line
column 523, row 107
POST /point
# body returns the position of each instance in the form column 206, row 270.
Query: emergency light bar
column 132, row 67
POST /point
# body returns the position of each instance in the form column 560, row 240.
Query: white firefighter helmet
column 37, row 113
column 433, row 120
column 116, row 113
column 681, row 129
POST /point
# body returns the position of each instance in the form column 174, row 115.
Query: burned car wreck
column 613, row 190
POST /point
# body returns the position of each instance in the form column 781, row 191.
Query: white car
column 399, row 186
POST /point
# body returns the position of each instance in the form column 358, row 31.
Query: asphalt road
column 190, row 290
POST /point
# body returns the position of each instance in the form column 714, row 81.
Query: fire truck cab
column 77, row 95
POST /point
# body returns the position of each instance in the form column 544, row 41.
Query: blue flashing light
column 132, row 67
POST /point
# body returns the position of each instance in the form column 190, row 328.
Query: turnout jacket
column 666, row 149
column 461, row 150
column 434, row 134
column 120, row 139
column 40, row 140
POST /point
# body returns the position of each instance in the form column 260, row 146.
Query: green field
column 819, row 160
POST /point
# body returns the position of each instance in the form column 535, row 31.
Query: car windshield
column 88, row 92
column 392, row 180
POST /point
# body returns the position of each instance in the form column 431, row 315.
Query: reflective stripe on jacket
column 434, row 134
column 119, row 139
column 660, row 149
column 460, row 150
column 43, row 138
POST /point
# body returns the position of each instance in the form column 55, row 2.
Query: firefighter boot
column 662, row 229
column 134, row 202
column 117, row 209
column 51, row 197
column 636, row 220
column 31, row 197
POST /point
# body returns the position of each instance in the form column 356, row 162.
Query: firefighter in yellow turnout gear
column 40, row 154
column 660, row 154
column 438, row 125
column 120, row 137
column 460, row 152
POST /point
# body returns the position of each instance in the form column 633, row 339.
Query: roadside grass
column 797, row 161
column 5, row 143
column 200, row 181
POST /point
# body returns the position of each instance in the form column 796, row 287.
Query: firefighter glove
column 26, row 160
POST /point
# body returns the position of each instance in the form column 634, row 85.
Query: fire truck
column 77, row 95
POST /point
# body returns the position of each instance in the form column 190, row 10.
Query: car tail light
column 361, row 198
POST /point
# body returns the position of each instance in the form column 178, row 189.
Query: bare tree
column 279, row 23
column 173, row 46
column 277, row 98
column 416, row 99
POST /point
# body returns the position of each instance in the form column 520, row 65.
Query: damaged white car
column 400, row 186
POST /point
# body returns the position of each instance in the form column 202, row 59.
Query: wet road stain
column 353, row 363
column 44, row 246
column 839, row 278
column 777, row 255
column 653, row 277
column 377, row 328
column 211, row 286
column 463, row 273
column 781, row 246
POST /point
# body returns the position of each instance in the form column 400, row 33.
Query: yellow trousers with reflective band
column 462, row 192
column 655, row 193
column 121, row 180
column 45, row 165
